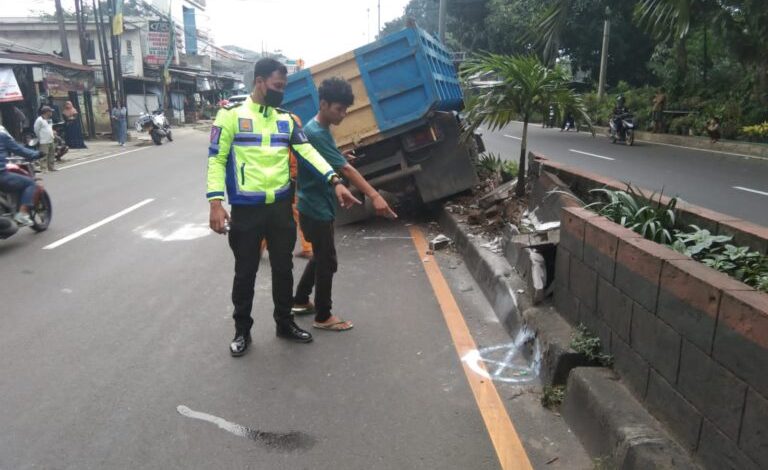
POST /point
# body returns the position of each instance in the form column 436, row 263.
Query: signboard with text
column 9, row 88
column 158, row 42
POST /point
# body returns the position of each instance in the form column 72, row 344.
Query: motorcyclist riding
column 619, row 111
column 12, row 182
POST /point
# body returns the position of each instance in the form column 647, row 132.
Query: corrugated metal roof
column 45, row 59
column 7, row 61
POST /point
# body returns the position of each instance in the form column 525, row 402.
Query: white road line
column 742, row 188
column 721, row 152
column 591, row 154
column 513, row 137
column 102, row 158
column 109, row 219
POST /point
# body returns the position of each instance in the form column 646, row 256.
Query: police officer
column 249, row 162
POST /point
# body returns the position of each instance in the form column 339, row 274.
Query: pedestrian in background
column 120, row 119
column 44, row 132
column 73, row 131
column 659, row 103
column 713, row 130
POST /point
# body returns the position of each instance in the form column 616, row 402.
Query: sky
column 313, row 30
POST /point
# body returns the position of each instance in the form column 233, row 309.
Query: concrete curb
column 606, row 417
column 509, row 295
column 612, row 424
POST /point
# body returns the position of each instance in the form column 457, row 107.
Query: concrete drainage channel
column 611, row 424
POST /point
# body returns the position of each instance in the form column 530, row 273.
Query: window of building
column 129, row 48
column 90, row 49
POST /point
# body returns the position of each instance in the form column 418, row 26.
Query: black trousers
column 319, row 271
column 248, row 227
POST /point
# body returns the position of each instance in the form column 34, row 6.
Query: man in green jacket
column 249, row 162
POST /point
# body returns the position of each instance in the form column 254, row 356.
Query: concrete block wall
column 690, row 342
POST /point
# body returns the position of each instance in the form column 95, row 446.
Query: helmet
column 620, row 101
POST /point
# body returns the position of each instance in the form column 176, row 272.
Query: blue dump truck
column 404, row 125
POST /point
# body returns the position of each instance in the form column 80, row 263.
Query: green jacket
column 249, row 154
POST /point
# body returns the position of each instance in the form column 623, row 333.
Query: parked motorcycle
column 626, row 133
column 156, row 124
column 41, row 212
column 30, row 140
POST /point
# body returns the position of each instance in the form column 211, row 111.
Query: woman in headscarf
column 73, row 132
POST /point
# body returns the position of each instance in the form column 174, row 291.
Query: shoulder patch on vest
column 245, row 125
column 284, row 127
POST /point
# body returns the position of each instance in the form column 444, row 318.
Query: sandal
column 342, row 325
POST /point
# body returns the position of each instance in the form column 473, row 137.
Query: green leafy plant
column 585, row 342
column 509, row 170
column 698, row 243
column 489, row 164
column 749, row 267
column 553, row 396
column 631, row 208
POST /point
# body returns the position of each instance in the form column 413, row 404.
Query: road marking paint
column 186, row 232
column 591, row 154
column 92, row 227
column 721, row 152
column 509, row 448
column 289, row 441
column 102, row 158
column 513, row 137
column 742, row 188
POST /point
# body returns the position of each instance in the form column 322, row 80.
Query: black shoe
column 289, row 330
column 239, row 344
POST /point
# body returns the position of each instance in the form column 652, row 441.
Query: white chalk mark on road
column 513, row 137
column 742, row 188
column 185, row 233
column 506, row 370
column 591, row 154
column 92, row 227
column 236, row 429
column 102, row 158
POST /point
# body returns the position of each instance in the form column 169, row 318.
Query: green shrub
column 632, row 209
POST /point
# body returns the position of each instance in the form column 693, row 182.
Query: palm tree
column 523, row 84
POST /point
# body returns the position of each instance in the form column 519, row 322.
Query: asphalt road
column 114, row 332
column 725, row 183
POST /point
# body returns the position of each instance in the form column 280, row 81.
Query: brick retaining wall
column 691, row 343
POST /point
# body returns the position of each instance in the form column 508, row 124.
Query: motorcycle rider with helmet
column 12, row 182
column 619, row 111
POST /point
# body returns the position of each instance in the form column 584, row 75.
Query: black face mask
column 273, row 98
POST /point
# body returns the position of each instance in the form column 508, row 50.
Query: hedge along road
column 722, row 182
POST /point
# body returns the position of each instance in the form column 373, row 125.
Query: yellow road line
column 505, row 440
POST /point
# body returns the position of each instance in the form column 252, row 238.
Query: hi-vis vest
column 249, row 154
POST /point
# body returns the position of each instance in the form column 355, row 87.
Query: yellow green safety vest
column 249, row 157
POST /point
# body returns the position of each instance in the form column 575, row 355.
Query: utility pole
column 441, row 20
column 604, row 54
column 62, row 31
column 106, row 70
column 116, row 55
column 90, row 125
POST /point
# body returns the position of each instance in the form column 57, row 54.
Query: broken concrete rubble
column 439, row 242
